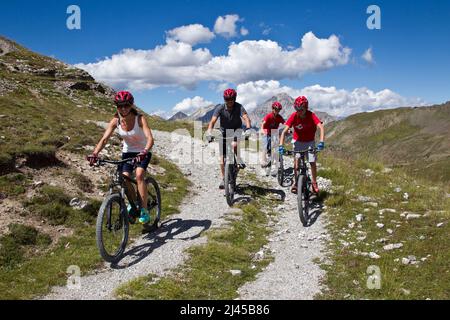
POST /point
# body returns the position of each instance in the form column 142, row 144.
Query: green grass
column 13, row 184
column 206, row 274
column 346, row 269
column 29, row 276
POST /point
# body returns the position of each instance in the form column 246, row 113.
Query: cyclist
column 305, row 124
column 270, row 122
column 231, row 115
column 137, row 142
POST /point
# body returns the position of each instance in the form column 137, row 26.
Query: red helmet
column 124, row 97
column 230, row 94
column 300, row 102
column 277, row 105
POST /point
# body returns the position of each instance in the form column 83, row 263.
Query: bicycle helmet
column 301, row 101
column 230, row 94
column 124, row 97
column 277, row 105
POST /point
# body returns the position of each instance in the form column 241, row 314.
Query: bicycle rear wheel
column 303, row 200
column 153, row 202
column 230, row 183
column 112, row 228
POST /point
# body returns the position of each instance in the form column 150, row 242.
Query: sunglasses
column 229, row 99
column 123, row 106
column 276, row 109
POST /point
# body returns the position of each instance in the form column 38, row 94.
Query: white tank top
column 134, row 140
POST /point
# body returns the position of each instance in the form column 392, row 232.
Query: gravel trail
column 293, row 274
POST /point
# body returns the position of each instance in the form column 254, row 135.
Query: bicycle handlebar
column 101, row 161
column 290, row 153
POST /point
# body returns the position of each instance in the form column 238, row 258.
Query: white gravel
column 293, row 275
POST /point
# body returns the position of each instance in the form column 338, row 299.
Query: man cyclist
column 231, row 115
column 270, row 122
column 305, row 124
column 137, row 142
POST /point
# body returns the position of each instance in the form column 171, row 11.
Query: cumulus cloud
column 226, row 25
column 368, row 56
column 192, row 34
column 266, row 59
column 190, row 105
column 244, row 32
column 161, row 113
column 174, row 63
column 337, row 102
column 178, row 64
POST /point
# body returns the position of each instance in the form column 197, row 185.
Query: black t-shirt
column 230, row 119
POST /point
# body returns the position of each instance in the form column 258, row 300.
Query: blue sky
column 411, row 51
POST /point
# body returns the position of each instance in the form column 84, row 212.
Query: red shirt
column 271, row 122
column 304, row 129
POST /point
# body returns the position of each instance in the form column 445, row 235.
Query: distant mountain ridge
column 178, row 116
column 415, row 138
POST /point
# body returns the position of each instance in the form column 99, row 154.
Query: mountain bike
column 303, row 181
column 114, row 218
column 232, row 168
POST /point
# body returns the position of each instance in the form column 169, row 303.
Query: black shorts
column 128, row 166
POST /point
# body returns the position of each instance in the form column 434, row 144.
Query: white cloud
column 162, row 113
column 368, row 56
column 266, row 59
column 190, row 105
column 192, row 34
column 337, row 102
column 174, row 63
column 226, row 25
column 244, row 32
column 178, row 64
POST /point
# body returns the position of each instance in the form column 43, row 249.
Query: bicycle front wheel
column 153, row 202
column 112, row 228
column 280, row 172
column 230, row 183
column 302, row 200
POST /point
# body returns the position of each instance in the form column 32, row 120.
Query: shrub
column 11, row 253
column 22, row 234
column 82, row 182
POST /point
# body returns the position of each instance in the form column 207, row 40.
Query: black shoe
column 242, row 166
column 222, row 185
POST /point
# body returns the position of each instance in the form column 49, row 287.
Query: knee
column 140, row 176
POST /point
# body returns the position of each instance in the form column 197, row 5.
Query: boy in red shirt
column 305, row 124
column 270, row 123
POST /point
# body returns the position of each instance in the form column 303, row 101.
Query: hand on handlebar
column 321, row 146
column 93, row 159
column 281, row 150
column 247, row 134
column 141, row 156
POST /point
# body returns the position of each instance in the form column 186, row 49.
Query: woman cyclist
column 137, row 142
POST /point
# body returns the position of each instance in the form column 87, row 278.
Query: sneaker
column 315, row 188
column 145, row 216
column 222, row 185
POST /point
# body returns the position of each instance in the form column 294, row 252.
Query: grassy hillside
column 417, row 139
column 48, row 112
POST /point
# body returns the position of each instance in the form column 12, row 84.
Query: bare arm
column 283, row 135
column 246, row 118
column 212, row 123
column 148, row 133
column 108, row 133
column 322, row 131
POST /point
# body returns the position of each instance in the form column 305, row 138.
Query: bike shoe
column 222, row 185
column 145, row 216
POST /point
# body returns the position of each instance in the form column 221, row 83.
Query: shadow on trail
column 316, row 208
column 169, row 230
column 248, row 192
